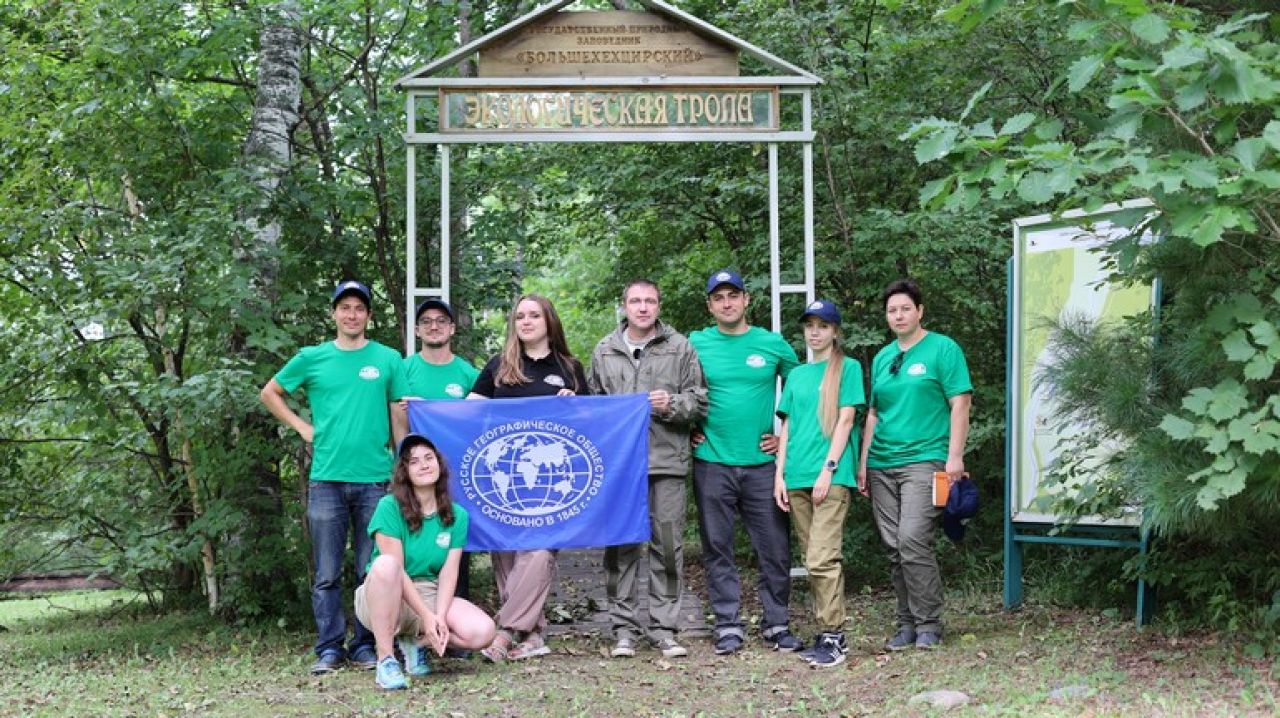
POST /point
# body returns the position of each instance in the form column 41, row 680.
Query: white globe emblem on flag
column 532, row 473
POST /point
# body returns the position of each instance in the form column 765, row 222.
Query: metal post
column 1012, row 549
column 775, row 272
column 411, row 228
column 809, row 268
column 445, row 237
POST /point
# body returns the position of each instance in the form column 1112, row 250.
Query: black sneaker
column 928, row 640
column 328, row 662
column 784, row 641
column 808, row 653
column 364, row 658
column 830, row 651
column 728, row 643
column 903, row 639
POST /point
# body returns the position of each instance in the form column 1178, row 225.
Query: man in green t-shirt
column 353, row 385
column 733, row 465
column 435, row 372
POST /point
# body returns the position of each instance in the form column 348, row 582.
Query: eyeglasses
column 897, row 363
column 437, row 322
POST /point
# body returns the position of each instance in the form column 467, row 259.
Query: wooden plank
column 605, row 44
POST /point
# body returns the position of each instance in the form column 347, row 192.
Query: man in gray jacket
column 645, row 355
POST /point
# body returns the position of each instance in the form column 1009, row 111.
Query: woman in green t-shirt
column 814, row 475
column 917, row 425
column 418, row 534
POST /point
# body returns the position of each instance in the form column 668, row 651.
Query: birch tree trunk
column 267, row 156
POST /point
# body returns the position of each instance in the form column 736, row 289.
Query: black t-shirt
column 547, row 376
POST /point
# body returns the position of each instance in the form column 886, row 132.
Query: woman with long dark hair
column 535, row 361
column 917, row 425
column 815, row 469
column 418, row 535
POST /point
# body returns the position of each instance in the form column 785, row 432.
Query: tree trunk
column 267, row 155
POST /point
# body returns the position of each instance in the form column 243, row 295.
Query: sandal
column 531, row 647
column 500, row 649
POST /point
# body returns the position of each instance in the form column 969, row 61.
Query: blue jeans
column 333, row 507
column 724, row 493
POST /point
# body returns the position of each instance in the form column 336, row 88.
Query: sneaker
column 415, row 657
column 928, row 639
column 328, row 662
column 364, row 658
column 670, row 649
column 904, row 638
column 389, row 676
column 728, row 643
column 830, row 651
column 624, row 648
column 808, row 653
column 783, row 640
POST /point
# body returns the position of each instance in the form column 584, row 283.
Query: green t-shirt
column 807, row 447
column 430, row 381
column 426, row 549
column 349, row 393
column 741, row 372
column 913, row 416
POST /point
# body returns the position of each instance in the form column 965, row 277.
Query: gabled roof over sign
column 549, row 9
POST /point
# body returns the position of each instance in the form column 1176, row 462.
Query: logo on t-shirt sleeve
column 369, row 372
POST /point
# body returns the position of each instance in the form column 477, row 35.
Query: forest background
column 182, row 183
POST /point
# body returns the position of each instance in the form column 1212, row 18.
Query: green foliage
column 1158, row 101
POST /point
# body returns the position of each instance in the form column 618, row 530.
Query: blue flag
column 546, row 472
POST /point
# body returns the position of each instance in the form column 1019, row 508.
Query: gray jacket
column 668, row 362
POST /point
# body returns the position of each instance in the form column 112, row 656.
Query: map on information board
column 1058, row 273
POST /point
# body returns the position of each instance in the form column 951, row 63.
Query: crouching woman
column 418, row 535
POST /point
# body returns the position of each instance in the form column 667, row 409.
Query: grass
column 95, row 653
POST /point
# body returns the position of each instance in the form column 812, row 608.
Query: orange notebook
column 941, row 488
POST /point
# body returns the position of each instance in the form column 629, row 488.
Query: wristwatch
column 830, row 465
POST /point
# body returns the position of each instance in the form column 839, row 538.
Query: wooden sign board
column 607, row 44
column 693, row 109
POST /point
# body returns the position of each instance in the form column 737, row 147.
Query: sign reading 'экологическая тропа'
column 684, row 109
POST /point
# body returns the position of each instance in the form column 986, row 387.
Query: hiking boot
column 328, row 662
column 783, row 640
column 670, row 649
column 808, row 653
column 728, row 643
column 415, row 657
column 364, row 658
column 830, row 651
column 624, row 648
column 928, row 640
column 389, row 677
column 904, row 638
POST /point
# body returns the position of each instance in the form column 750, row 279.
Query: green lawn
column 90, row 654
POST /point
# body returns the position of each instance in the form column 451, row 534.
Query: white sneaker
column 671, row 649
column 624, row 648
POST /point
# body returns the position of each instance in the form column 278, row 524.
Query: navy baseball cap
column 823, row 309
column 434, row 303
column 351, row 286
column 411, row 440
column 725, row 276
column 962, row 505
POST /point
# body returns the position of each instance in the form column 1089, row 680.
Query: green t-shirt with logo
column 913, row 416
column 349, row 393
column 807, row 447
column 431, row 381
column 426, row 549
column 741, row 372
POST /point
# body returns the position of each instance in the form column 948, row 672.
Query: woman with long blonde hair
column 815, row 469
column 535, row 361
